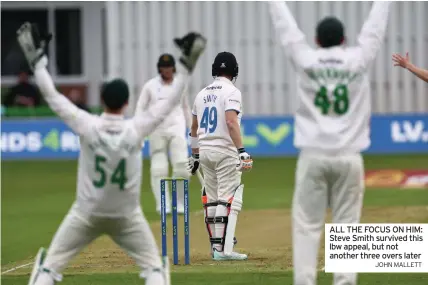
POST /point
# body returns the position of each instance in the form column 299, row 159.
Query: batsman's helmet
column 225, row 64
column 166, row 60
column 115, row 94
column 330, row 32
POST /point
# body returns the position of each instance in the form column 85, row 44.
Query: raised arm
column 143, row 101
column 147, row 120
column 77, row 119
column 34, row 47
column 372, row 34
column 405, row 63
column 191, row 45
column 290, row 36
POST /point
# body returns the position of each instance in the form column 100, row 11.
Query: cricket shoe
column 43, row 275
column 191, row 45
column 40, row 257
column 220, row 256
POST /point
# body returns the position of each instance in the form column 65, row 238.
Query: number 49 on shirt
column 209, row 120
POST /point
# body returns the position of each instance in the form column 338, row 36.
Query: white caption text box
column 376, row 248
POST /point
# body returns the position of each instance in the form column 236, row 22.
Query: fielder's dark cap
column 115, row 94
column 225, row 64
column 330, row 32
column 166, row 60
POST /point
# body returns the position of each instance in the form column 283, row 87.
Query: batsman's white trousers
column 322, row 181
column 160, row 145
column 132, row 233
column 220, row 175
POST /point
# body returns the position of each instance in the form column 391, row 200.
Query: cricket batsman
column 216, row 144
column 109, row 166
column 332, row 128
column 170, row 136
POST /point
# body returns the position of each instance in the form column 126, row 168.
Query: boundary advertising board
column 263, row 136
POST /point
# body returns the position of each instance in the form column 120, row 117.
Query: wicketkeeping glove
column 193, row 163
column 33, row 44
column 245, row 161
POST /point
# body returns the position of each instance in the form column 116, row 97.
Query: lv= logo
column 274, row 136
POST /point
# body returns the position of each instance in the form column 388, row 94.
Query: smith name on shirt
column 210, row 98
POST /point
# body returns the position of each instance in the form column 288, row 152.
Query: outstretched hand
column 400, row 60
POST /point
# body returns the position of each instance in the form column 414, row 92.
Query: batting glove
column 245, row 161
column 193, row 163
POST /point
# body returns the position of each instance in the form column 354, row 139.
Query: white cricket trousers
column 323, row 181
column 220, row 181
column 160, row 145
column 220, row 175
column 132, row 233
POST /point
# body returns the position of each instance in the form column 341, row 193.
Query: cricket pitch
column 264, row 235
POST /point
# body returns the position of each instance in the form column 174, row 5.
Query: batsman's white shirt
column 333, row 87
column 155, row 91
column 210, row 107
column 109, row 165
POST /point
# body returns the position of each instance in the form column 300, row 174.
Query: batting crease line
column 16, row 268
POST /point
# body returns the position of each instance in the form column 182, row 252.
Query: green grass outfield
column 37, row 194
